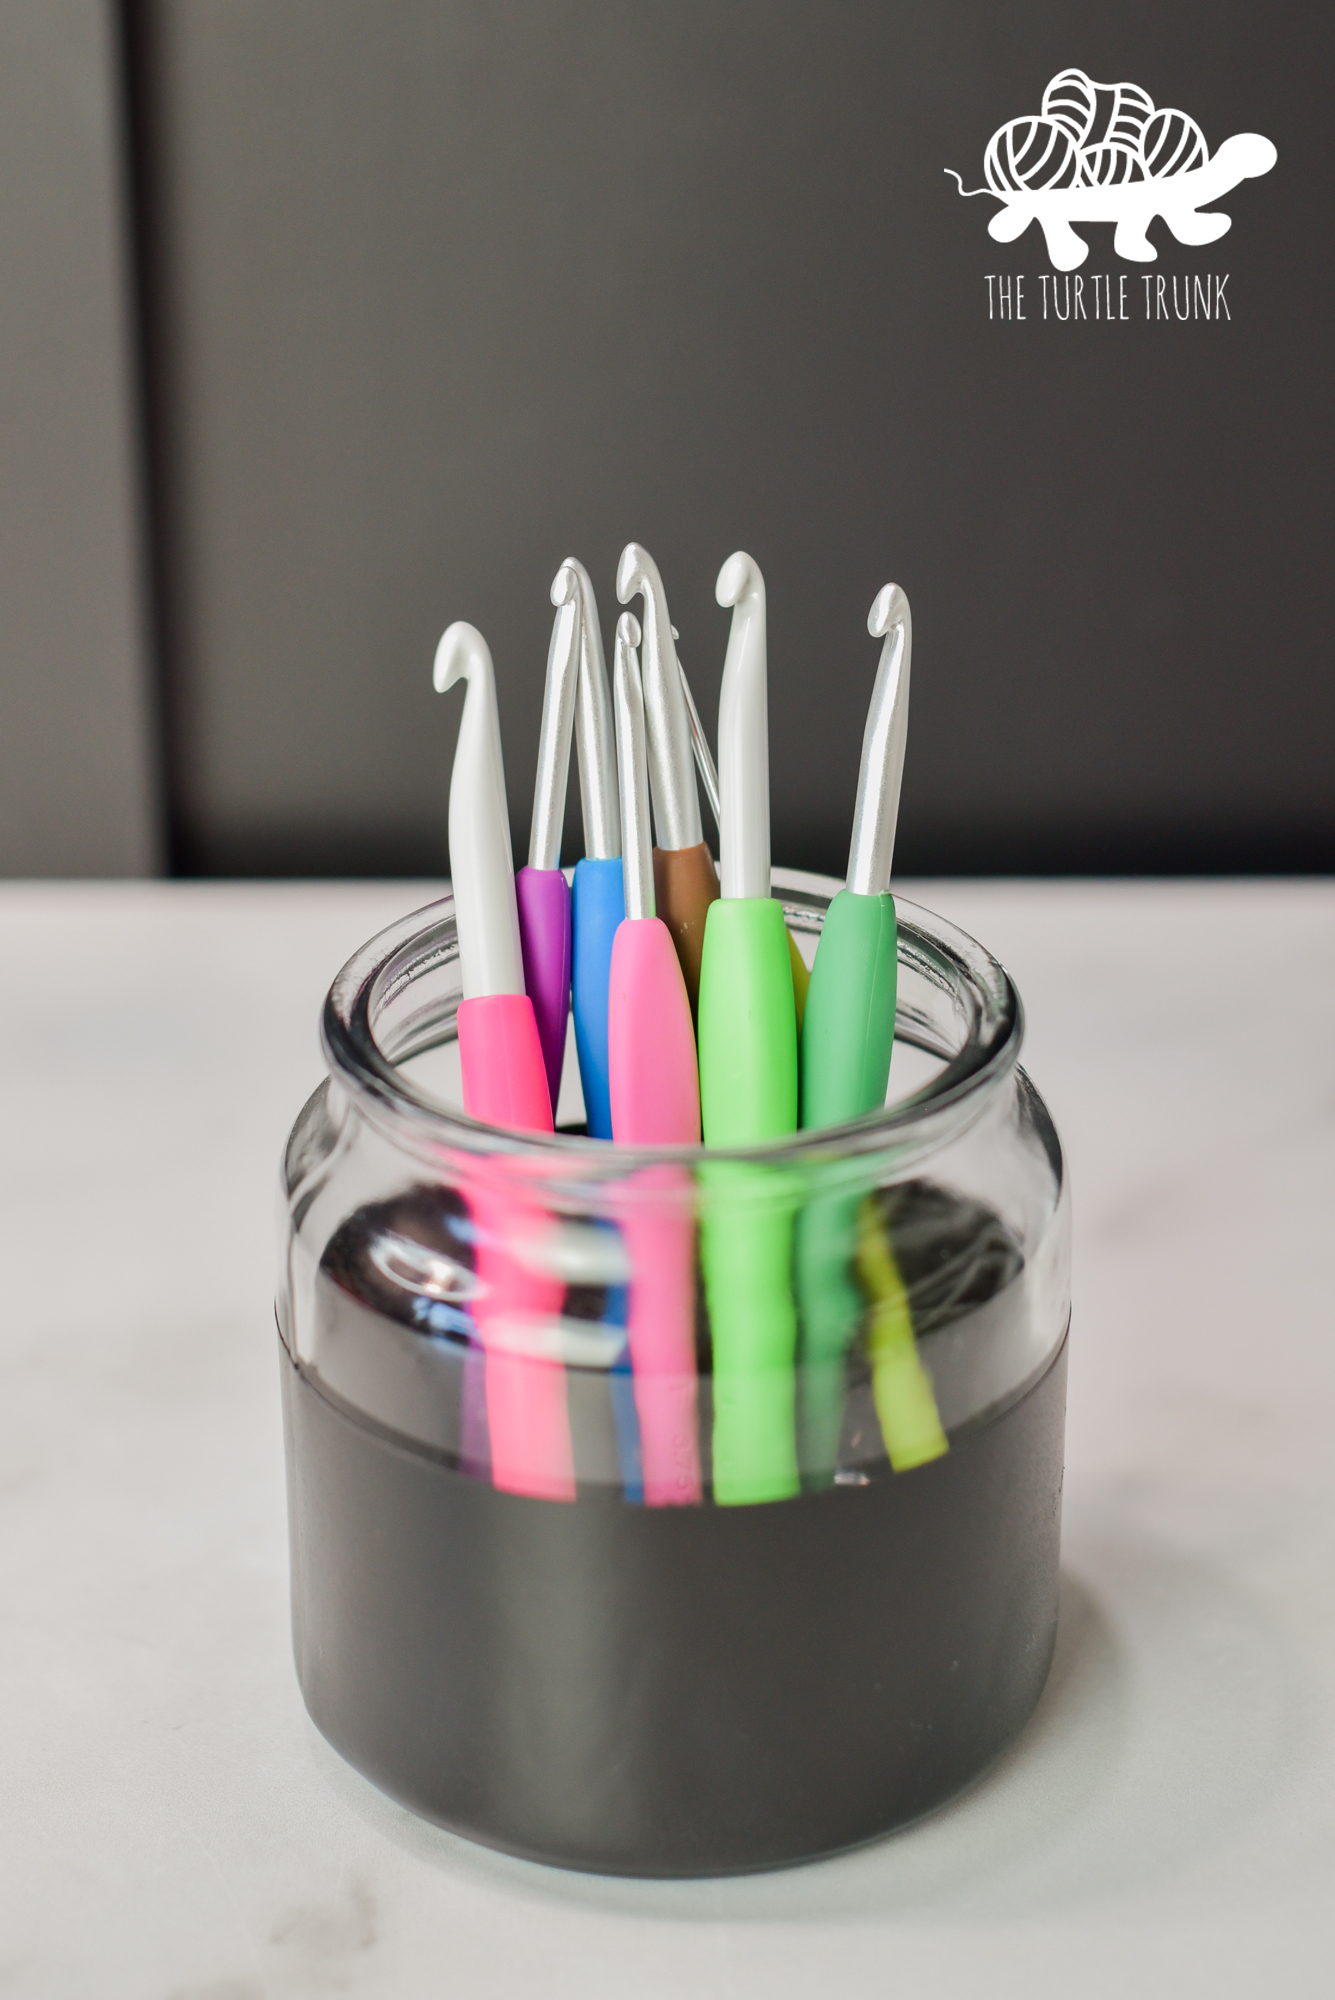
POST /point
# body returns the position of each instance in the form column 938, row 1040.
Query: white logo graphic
column 1100, row 152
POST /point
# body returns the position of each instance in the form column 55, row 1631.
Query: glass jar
column 673, row 1511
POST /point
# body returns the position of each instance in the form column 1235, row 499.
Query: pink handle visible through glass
column 515, row 1306
column 658, row 1223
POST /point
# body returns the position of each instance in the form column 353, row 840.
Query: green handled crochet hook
column 848, row 1034
column 748, row 1088
column 849, row 1028
column 748, row 1020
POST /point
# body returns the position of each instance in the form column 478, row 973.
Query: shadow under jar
column 673, row 1512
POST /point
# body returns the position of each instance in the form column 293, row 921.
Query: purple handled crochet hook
column 541, row 890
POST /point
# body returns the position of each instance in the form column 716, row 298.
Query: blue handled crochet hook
column 598, row 895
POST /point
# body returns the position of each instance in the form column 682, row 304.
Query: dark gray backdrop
column 78, row 745
column 438, row 293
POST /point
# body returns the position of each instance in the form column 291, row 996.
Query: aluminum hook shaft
column 884, row 741
column 667, row 722
column 637, row 857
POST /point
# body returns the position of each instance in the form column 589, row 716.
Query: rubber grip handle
column 848, row 1034
column 658, row 1221
column 598, row 905
column 654, row 1085
column 542, row 896
column 746, row 1241
column 901, row 1386
column 685, row 888
column 528, row 1419
column 830, row 1310
column 505, row 1083
column 747, row 1024
column 801, row 983
column 504, row 1075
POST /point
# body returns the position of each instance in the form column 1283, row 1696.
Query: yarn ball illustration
column 1097, row 112
column 1110, row 166
column 1030, row 154
column 1172, row 143
column 1071, row 99
column 1128, row 112
column 1101, row 152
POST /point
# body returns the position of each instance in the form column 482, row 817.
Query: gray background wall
column 79, row 792
column 435, row 294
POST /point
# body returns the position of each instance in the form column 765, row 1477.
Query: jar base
column 672, row 1691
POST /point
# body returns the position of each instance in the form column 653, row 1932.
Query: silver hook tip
column 461, row 648
column 887, row 610
column 739, row 576
column 631, row 572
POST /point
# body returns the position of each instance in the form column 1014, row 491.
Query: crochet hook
column 685, row 881
column 704, row 764
column 849, row 1030
column 655, row 1101
column 504, row 1076
column 655, row 1090
column 504, row 1083
column 541, row 890
column 848, row 1038
column 597, row 897
column 748, row 1088
column 747, row 1014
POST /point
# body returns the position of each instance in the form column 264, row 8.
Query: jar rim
column 425, row 941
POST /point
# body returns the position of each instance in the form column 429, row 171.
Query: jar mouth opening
column 397, row 998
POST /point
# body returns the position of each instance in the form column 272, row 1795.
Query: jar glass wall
column 640, row 1386
column 841, row 1303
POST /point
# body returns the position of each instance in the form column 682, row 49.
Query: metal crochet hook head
column 743, row 734
column 558, row 720
column 883, row 744
column 481, row 861
column 595, row 744
column 667, row 725
column 637, row 854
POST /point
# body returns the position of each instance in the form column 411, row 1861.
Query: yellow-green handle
column 901, row 1387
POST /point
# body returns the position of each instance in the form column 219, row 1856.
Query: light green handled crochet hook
column 849, row 1029
column 848, row 1035
column 748, row 1088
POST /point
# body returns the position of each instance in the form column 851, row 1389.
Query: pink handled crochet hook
column 650, row 1042
column 542, row 892
column 504, row 1083
column 655, row 1096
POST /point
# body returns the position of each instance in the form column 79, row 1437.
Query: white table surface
column 173, row 1828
